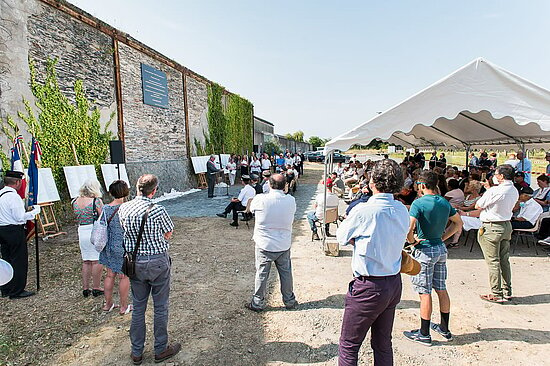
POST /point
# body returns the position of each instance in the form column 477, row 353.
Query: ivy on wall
column 230, row 124
column 61, row 124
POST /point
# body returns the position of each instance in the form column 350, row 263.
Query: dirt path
column 212, row 279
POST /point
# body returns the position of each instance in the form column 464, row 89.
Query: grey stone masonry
column 154, row 137
column 83, row 53
column 197, row 100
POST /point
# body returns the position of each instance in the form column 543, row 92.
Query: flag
column 17, row 164
column 33, row 173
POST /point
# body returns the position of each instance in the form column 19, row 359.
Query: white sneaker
column 545, row 241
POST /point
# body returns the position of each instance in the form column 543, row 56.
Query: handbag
column 409, row 265
column 129, row 260
column 99, row 231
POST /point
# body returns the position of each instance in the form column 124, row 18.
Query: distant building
column 263, row 131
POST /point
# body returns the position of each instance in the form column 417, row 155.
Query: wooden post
column 75, row 156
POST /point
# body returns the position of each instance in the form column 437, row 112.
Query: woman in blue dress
column 112, row 255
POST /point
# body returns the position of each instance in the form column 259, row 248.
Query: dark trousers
column 521, row 225
column 234, row 206
column 14, row 250
column 211, row 183
column 544, row 230
column 370, row 304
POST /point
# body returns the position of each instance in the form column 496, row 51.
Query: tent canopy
column 479, row 105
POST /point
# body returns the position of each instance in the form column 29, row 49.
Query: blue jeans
column 152, row 277
column 312, row 219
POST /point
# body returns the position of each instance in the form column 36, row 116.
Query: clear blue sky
column 326, row 66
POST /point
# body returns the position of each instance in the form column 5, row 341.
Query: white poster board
column 47, row 190
column 225, row 159
column 76, row 176
column 199, row 163
column 110, row 174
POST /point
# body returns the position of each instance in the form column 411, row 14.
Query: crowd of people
column 391, row 206
column 424, row 208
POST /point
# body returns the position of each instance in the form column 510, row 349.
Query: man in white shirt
column 239, row 203
column 266, row 163
column 377, row 230
column 265, row 183
column 273, row 237
column 319, row 213
column 496, row 232
column 529, row 210
column 13, row 244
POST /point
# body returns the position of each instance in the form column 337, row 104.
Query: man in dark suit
column 211, row 171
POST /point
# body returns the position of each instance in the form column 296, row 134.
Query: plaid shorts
column 433, row 272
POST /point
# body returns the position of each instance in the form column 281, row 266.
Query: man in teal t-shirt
column 429, row 216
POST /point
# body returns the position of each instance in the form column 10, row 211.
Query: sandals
column 110, row 309
column 129, row 308
column 493, row 298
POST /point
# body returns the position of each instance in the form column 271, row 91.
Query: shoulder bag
column 129, row 260
column 99, row 231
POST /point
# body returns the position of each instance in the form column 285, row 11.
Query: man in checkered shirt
column 152, row 267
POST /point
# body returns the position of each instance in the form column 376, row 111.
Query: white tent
column 479, row 105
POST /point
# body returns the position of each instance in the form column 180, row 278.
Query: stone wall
column 154, row 136
column 197, row 101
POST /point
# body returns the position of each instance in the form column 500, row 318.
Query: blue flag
column 33, row 174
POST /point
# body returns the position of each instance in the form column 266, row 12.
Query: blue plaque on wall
column 155, row 86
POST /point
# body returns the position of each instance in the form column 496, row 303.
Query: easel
column 202, row 181
column 46, row 219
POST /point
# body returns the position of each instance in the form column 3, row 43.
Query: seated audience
column 318, row 214
column 407, row 194
column 519, row 181
column 338, row 186
column 266, row 174
column 529, row 210
column 366, row 193
column 471, row 192
column 455, row 196
column 239, row 203
column 542, row 194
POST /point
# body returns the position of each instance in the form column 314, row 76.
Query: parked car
column 313, row 155
column 337, row 158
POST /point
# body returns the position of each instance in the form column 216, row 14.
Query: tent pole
column 327, row 161
column 467, row 155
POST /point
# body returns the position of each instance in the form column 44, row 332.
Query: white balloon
column 6, row 272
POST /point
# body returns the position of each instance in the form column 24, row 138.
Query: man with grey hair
column 211, row 171
column 153, row 267
column 273, row 237
column 377, row 230
column 495, row 233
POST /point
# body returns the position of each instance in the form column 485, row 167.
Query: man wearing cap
column 13, row 243
column 211, row 171
column 239, row 203
column 266, row 174
column 257, row 187
column 377, row 230
column 495, row 233
column 524, row 166
column 529, row 210
column 429, row 215
column 519, row 181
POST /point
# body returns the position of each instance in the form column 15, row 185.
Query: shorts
column 433, row 272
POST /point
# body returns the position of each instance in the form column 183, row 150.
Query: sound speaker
column 117, row 152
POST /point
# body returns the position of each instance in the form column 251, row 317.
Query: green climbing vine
column 230, row 125
column 61, row 124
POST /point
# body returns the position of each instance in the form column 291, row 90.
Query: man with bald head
column 273, row 237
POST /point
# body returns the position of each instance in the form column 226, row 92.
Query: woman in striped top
column 87, row 208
